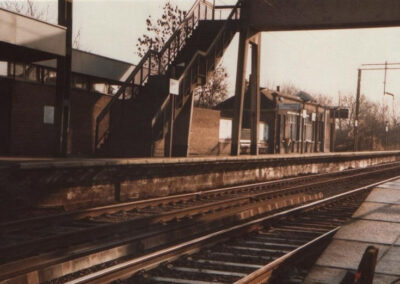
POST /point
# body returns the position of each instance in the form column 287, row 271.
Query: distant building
column 288, row 124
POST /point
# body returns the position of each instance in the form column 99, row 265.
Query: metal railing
column 202, row 62
column 157, row 62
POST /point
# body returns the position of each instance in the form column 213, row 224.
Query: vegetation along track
column 245, row 253
column 85, row 232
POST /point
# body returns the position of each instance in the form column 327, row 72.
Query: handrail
column 144, row 59
column 181, row 25
column 187, row 26
column 212, row 45
column 126, row 83
column 201, row 53
column 189, row 17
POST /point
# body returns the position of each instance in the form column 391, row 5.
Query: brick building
column 288, row 124
column 28, row 100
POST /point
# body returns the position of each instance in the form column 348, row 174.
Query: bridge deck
column 377, row 223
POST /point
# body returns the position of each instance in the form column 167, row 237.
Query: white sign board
column 48, row 115
column 313, row 116
column 174, row 87
column 225, row 129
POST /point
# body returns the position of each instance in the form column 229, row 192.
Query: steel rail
column 264, row 272
column 153, row 202
column 123, row 226
column 128, row 268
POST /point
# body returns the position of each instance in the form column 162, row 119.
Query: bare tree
column 289, row 89
column 27, row 8
column 76, row 41
column 159, row 31
column 32, row 9
column 214, row 91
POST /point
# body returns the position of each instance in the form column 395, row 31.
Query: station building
column 28, row 102
column 288, row 124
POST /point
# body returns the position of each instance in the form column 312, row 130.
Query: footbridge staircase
column 141, row 116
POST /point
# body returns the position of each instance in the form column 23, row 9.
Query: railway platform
column 376, row 223
column 71, row 183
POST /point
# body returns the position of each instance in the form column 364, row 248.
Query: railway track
column 83, row 232
column 245, row 253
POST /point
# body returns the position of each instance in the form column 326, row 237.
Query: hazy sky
column 323, row 62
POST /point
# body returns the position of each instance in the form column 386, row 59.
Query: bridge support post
column 181, row 132
column 255, row 42
column 63, row 87
column 239, row 90
column 169, row 138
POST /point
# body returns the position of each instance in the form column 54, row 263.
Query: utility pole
column 357, row 111
column 384, row 80
column 372, row 67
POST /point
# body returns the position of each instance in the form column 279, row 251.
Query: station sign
column 174, row 87
column 289, row 106
column 341, row 113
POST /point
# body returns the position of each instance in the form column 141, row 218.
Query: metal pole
column 213, row 10
column 63, row 85
column 357, row 111
column 255, row 94
column 239, row 91
column 384, row 92
column 171, row 126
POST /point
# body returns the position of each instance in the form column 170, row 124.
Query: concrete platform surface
column 377, row 223
column 53, row 162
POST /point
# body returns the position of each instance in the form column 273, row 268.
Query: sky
column 319, row 62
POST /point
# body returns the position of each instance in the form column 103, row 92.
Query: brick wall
column 85, row 107
column 31, row 136
column 204, row 133
column 5, row 112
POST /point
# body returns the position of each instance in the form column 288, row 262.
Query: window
column 31, row 73
column 100, row 87
column 11, row 67
column 113, row 89
column 292, row 122
column 49, row 76
column 19, row 71
column 79, row 82
column 308, row 128
column 225, row 129
column 3, row 68
column 263, row 131
column 48, row 115
column 128, row 93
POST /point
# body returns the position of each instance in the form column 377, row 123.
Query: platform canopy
column 26, row 39
column 277, row 15
column 95, row 65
